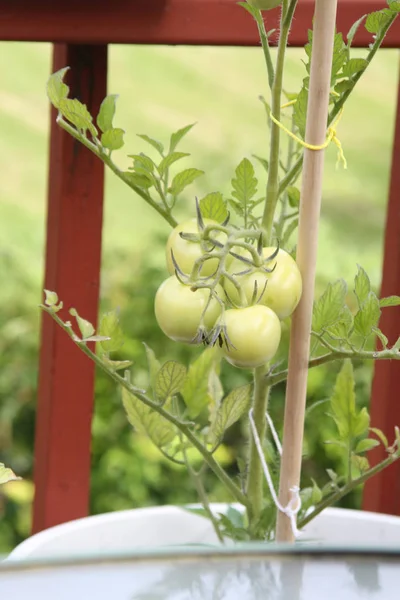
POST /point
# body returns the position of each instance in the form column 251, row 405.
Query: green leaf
column 263, row 161
column 291, row 227
column 366, row 445
column 7, row 475
column 245, row 183
column 77, row 114
column 382, row 337
column 353, row 66
column 86, row 328
column 57, row 90
column 183, row 179
column 213, row 206
column 316, row 494
column 170, row 160
column 51, row 298
column 153, row 364
column 195, row 390
column 380, row 435
column 232, row 408
column 142, row 161
column 106, row 113
column 342, row 328
column 332, row 475
column 360, row 462
column 116, row 365
column 361, row 423
column 328, row 309
column 110, row 327
column 343, row 86
column 368, row 316
column 293, row 196
column 113, row 139
column 362, row 286
column 339, row 55
column 155, row 143
column 343, row 406
column 376, row 21
column 169, row 380
column 394, row 5
column 300, row 111
column 146, row 421
column 178, row 135
column 353, row 30
column 141, row 181
column 389, row 301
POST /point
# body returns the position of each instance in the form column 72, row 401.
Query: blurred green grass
column 164, row 88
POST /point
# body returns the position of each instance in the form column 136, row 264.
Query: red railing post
column 382, row 492
column 73, row 255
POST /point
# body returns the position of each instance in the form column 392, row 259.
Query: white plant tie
column 294, row 503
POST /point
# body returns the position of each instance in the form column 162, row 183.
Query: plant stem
column 273, row 172
column 111, row 165
column 351, row 485
column 265, row 46
column 295, row 170
column 181, row 426
column 255, row 480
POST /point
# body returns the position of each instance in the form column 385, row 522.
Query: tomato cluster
column 217, row 292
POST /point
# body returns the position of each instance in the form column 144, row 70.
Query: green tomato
column 284, row 285
column 255, row 333
column 186, row 253
column 264, row 4
column 178, row 310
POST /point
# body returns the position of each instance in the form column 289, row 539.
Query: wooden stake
column 310, row 204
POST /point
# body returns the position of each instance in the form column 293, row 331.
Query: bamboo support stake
column 310, row 204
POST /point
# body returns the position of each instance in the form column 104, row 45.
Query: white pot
column 157, row 527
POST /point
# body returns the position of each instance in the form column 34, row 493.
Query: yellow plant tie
column 331, row 135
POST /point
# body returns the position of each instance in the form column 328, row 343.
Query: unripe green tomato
column 264, row 4
column 284, row 285
column 255, row 333
column 178, row 310
column 186, row 253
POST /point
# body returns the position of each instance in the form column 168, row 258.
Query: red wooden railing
column 81, row 31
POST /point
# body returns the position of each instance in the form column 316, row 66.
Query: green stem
column 107, row 160
column 265, row 46
column 181, row 426
column 273, row 172
column 255, row 480
column 295, row 170
column 350, row 486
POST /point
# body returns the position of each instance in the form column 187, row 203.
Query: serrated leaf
column 155, row 143
column 366, row 445
column 170, row 160
column 178, row 135
column 300, row 111
column 77, row 114
column 360, row 462
column 263, row 161
column 183, row 179
column 116, row 365
column 142, row 161
column 316, row 494
column 141, row 181
column 328, row 309
column 343, row 402
column 106, row 113
column 153, row 364
column 113, row 139
column 56, row 89
column 7, row 475
column 342, row 328
column 195, row 390
column 332, row 475
column 394, row 5
column 353, row 30
column 169, row 380
column 379, row 433
column 362, row 285
column 389, row 301
column 368, row 316
column 232, row 408
column 353, row 66
column 361, row 423
column 110, row 327
column 293, row 196
column 339, row 56
column 51, row 298
column 381, row 336
column 343, row 86
column 86, row 328
column 213, row 206
column 244, row 184
column 146, row 421
column 377, row 20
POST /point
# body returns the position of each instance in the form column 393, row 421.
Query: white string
column 294, row 503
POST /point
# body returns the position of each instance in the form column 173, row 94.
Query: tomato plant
column 230, row 286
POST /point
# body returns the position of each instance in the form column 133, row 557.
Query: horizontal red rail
column 197, row 22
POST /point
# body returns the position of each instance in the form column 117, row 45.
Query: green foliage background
column 162, row 89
